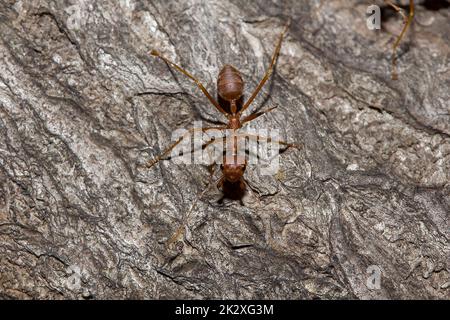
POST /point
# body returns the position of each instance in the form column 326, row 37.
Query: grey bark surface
column 83, row 107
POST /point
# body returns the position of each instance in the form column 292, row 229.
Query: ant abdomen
column 230, row 85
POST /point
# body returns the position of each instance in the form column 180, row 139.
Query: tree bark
column 360, row 211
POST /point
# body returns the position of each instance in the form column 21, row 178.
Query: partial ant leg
column 269, row 70
column 253, row 116
column 200, row 195
column 197, row 82
column 175, row 236
column 152, row 162
column 406, row 21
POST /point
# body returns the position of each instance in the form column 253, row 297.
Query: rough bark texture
column 83, row 107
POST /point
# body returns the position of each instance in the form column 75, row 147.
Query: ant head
column 230, row 85
column 233, row 172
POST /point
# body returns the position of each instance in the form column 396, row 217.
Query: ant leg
column 242, row 186
column 220, row 182
column 406, row 21
column 269, row 70
column 214, row 140
column 152, row 162
column 253, row 116
column 211, row 170
column 197, row 82
column 199, row 196
column 181, row 229
column 397, row 8
column 269, row 139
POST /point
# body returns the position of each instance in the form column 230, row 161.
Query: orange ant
column 406, row 21
column 230, row 87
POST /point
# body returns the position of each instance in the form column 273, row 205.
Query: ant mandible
column 230, row 87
